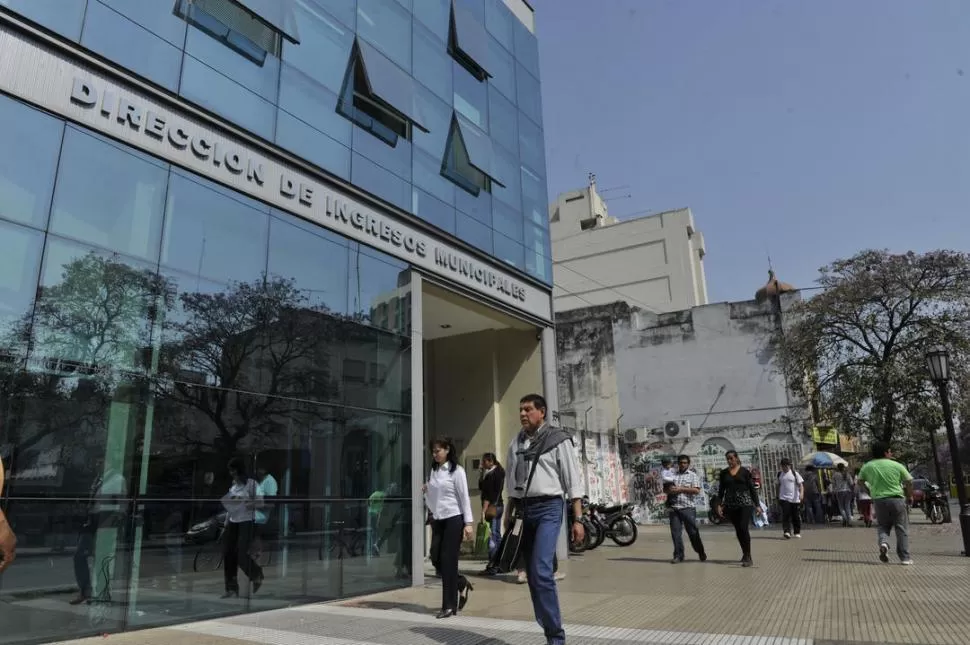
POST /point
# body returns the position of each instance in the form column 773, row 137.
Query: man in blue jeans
column 683, row 491
column 542, row 504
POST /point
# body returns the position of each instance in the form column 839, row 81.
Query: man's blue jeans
column 495, row 538
column 685, row 519
column 543, row 521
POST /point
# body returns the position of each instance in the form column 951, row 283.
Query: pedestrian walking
column 814, row 503
column 791, row 491
column 891, row 488
column 863, row 501
column 546, row 452
column 737, row 499
column 492, row 485
column 8, row 541
column 241, row 502
column 841, row 488
column 684, row 488
column 451, row 513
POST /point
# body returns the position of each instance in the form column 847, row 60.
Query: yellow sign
column 825, row 434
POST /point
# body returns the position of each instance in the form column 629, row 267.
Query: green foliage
column 857, row 348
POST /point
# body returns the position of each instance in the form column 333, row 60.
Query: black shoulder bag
column 508, row 550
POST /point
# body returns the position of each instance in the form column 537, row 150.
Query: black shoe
column 676, row 561
column 463, row 595
column 746, row 561
column 257, row 583
column 230, row 594
column 445, row 613
column 884, row 553
column 489, row 572
column 702, row 556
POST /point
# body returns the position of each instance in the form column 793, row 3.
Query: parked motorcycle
column 614, row 522
column 935, row 504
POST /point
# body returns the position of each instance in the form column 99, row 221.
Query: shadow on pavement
column 687, row 561
column 409, row 607
column 457, row 636
column 869, row 563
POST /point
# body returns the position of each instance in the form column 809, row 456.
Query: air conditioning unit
column 637, row 435
column 677, row 429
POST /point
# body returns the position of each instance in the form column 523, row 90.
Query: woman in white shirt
column 241, row 502
column 451, row 520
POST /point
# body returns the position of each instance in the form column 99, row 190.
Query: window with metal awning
column 277, row 14
column 379, row 96
column 468, row 42
column 468, row 160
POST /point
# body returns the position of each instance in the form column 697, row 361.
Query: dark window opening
column 233, row 26
column 359, row 104
column 457, row 165
column 467, row 42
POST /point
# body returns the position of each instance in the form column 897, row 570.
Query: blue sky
column 810, row 129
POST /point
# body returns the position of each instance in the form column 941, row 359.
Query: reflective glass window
column 63, row 16
column 427, row 176
column 526, row 47
column 260, row 79
column 222, row 95
column 277, row 14
column 468, row 41
column 532, row 152
column 507, row 220
column 432, row 65
column 314, row 260
column 125, row 214
column 313, row 103
column 474, row 232
column 506, row 168
column 325, row 43
column 538, row 265
column 498, row 22
column 435, row 15
column 534, row 199
column 527, row 94
column 537, row 238
column 30, row 141
column 437, row 116
column 115, row 37
column 509, row 251
column 477, row 206
column 157, row 17
column 387, row 26
column 375, row 279
column 433, row 210
column 501, row 65
column 397, row 159
column 20, row 251
column 343, row 10
column 503, row 121
column 94, row 309
column 470, row 97
column 312, row 145
column 213, row 233
column 474, row 8
column 380, row 182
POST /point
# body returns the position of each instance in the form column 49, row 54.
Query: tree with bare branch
column 856, row 350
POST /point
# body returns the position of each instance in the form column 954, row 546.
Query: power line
column 604, row 286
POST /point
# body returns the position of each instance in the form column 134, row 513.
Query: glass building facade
column 155, row 323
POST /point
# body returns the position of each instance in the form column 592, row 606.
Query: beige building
column 654, row 262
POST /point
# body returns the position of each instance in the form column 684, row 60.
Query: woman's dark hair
column 490, row 456
column 731, row 453
column 239, row 466
column 446, row 443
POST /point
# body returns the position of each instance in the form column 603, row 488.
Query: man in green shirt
column 891, row 488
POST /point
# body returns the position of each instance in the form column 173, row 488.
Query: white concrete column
column 550, row 390
column 418, row 513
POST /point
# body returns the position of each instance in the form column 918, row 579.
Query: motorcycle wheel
column 206, row 559
column 623, row 531
column 936, row 514
column 598, row 532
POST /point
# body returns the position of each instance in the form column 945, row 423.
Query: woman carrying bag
column 451, row 513
column 738, row 501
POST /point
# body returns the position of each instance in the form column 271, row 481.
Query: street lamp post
column 938, row 361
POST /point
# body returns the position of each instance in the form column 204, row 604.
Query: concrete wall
column 653, row 262
column 473, row 383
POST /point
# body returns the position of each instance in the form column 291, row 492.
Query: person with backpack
column 542, row 473
column 791, row 491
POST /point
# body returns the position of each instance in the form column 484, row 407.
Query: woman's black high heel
column 445, row 613
column 463, row 595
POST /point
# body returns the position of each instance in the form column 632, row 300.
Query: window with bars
column 234, row 26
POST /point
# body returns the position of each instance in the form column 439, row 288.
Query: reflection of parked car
column 920, row 486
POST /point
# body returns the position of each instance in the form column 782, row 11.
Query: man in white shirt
column 791, row 491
